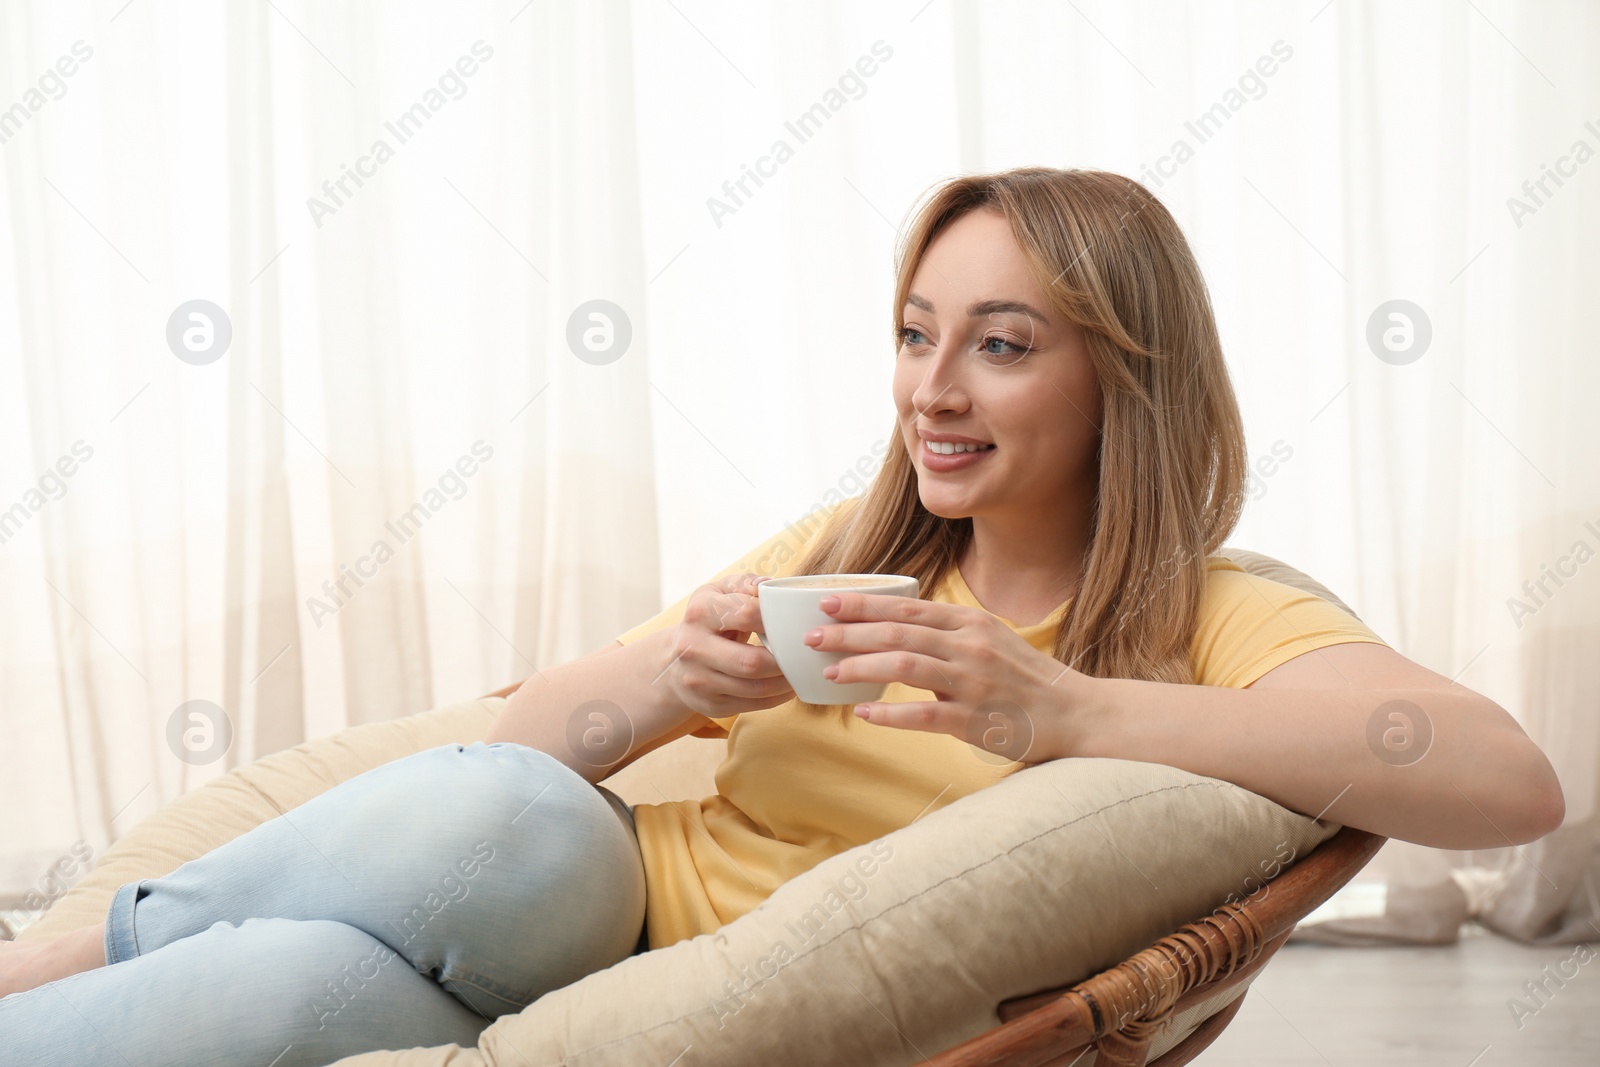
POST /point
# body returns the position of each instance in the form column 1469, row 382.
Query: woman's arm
column 598, row 713
column 595, row 712
column 1354, row 732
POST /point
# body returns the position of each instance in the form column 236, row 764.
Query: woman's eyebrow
column 985, row 307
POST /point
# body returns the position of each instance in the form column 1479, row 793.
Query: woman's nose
column 940, row 388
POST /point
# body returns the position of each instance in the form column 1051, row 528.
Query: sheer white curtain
column 398, row 486
column 729, row 179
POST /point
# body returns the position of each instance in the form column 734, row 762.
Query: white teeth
column 950, row 448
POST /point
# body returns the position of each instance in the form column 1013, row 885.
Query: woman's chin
column 945, row 505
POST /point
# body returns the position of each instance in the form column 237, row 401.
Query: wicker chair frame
column 1120, row 1011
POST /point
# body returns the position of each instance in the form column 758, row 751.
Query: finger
column 767, row 689
column 729, row 685
column 857, row 637
column 732, row 607
column 925, row 715
column 996, row 744
column 908, row 668
column 885, row 607
column 738, row 583
column 738, row 658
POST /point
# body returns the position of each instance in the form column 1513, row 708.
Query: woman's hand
column 714, row 670
column 992, row 689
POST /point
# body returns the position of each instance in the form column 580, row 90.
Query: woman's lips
column 942, row 464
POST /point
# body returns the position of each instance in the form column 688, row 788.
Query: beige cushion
column 900, row 948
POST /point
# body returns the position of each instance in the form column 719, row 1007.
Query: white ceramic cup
column 789, row 611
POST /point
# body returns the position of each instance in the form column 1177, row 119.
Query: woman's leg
column 30, row 964
column 494, row 869
column 273, row 992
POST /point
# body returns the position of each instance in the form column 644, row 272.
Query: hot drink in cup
column 789, row 610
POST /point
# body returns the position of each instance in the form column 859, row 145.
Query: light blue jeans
column 409, row 906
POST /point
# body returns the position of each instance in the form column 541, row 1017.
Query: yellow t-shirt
column 798, row 786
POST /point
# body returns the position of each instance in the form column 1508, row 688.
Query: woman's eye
column 1007, row 352
column 1015, row 352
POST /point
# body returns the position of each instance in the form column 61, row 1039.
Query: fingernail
column 814, row 638
column 831, row 671
column 829, row 603
column 863, row 710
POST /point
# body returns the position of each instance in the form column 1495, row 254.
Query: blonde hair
column 1172, row 452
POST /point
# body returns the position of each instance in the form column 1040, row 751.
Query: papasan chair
column 1081, row 911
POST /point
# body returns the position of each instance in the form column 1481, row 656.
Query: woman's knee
column 552, row 888
column 569, row 846
column 503, row 769
column 455, row 789
column 522, row 787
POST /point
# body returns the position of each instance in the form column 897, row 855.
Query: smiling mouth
column 950, row 448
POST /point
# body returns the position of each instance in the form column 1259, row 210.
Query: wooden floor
column 1421, row 1007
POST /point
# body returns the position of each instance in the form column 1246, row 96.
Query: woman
column 1068, row 456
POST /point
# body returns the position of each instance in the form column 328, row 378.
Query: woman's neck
column 1024, row 594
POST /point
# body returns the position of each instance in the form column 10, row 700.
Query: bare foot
column 26, row 965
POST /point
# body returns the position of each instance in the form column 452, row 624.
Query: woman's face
column 984, row 358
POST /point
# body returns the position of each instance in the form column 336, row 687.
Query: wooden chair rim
column 1122, row 1009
